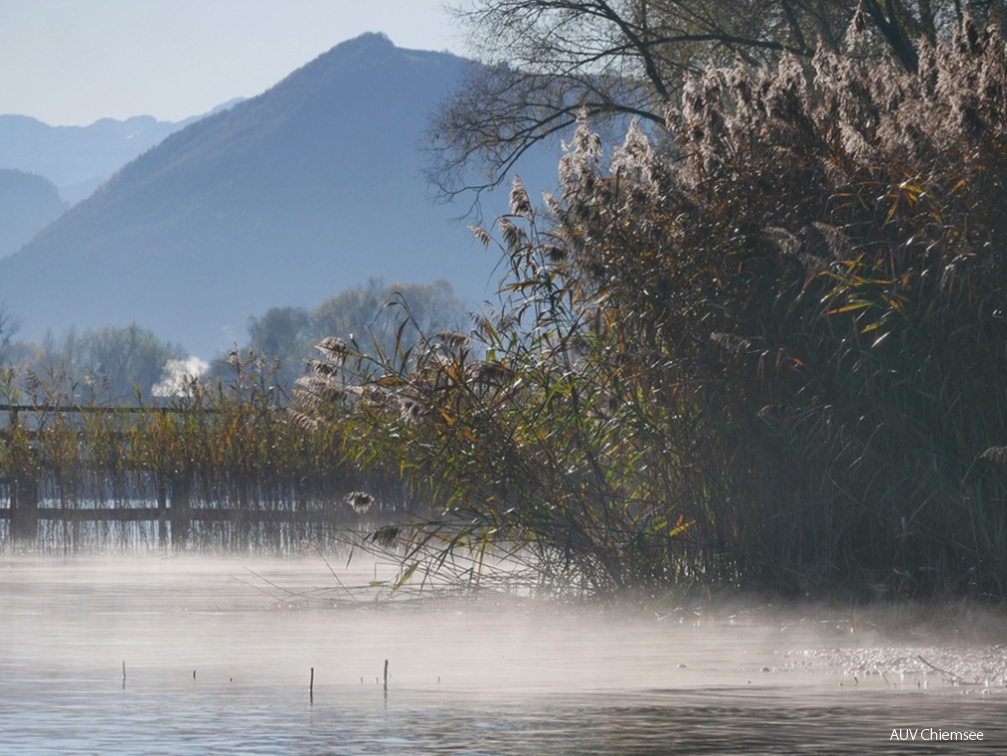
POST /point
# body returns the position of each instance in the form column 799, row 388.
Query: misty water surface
column 218, row 654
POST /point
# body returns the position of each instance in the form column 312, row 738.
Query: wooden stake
column 386, row 675
column 311, row 687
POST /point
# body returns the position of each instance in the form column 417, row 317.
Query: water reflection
column 277, row 719
column 464, row 679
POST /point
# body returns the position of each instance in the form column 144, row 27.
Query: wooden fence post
column 24, row 508
column 162, row 512
column 23, row 498
column 179, row 513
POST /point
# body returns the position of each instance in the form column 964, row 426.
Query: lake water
column 218, row 656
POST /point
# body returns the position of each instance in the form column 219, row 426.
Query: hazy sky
column 75, row 61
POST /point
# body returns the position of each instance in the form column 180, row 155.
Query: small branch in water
column 955, row 679
column 386, row 675
column 124, row 674
column 334, row 575
column 284, row 594
column 311, row 687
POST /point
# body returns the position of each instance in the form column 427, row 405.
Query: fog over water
column 219, row 654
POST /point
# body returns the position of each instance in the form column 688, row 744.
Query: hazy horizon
column 67, row 63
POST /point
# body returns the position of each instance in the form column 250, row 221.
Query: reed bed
column 767, row 354
column 220, row 468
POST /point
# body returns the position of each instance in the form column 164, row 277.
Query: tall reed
column 223, row 446
column 770, row 356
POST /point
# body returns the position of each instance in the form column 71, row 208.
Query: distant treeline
column 130, row 364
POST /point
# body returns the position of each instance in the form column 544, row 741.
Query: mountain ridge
column 286, row 198
column 78, row 159
column 28, row 202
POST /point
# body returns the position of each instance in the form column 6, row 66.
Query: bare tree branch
column 544, row 60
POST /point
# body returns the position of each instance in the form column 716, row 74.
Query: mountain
column 286, row 198
column 27, row 204
column 78, row 159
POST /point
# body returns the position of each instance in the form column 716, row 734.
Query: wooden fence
column 54, row 509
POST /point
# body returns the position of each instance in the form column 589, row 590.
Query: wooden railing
column 184, row 509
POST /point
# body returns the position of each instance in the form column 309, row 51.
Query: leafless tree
column 542, row 62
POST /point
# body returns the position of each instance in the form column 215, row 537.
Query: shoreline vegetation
column 767, row 356
column 219, row 467
column 761, row 350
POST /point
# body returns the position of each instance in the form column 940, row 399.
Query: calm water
column 218, row 657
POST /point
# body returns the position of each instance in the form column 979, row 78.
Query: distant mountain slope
column 77, row 159
column 286, row 198
column 27, row 203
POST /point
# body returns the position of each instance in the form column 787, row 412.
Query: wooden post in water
column 162, row 512
column 24, row 508
column 23, row 499
column 242, row 528
column 179, row 513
